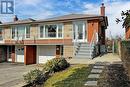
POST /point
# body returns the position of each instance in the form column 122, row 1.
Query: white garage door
column 45, row 53
column 19, row 54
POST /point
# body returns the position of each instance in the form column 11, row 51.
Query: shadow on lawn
column 77, row 79
column 114, row 75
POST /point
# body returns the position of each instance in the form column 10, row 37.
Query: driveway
column 11, row 74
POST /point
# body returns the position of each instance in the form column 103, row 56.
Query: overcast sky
column 41, row 9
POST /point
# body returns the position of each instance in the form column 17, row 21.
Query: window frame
column 26, row 32
column 57, row 31
column 16, row 31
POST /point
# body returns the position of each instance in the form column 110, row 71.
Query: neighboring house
column 36, row 41
column 127, row 33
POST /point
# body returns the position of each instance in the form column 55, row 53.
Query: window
column 60, row 31
column 51, row 31
column 13, row 33
column 1, row 37
column 20, row 32
column 41, row 31
column 27, row 31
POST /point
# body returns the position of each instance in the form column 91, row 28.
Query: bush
column 35, row 77
column 55, row 65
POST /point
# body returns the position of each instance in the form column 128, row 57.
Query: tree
column 125, row 18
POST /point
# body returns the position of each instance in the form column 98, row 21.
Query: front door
column 19, row 53
column 9, row 52
column 79, row 32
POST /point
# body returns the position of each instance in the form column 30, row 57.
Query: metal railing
column 76, row 45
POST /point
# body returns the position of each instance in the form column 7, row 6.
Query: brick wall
column 127, row 33
column 68, row 30
column 68, row 50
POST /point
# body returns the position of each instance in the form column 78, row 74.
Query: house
column 127, row 33
column 32, row 41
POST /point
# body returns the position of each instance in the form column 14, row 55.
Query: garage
column 45, row 53
column 19, row 54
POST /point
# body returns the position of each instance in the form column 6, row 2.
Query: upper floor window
column 27, row 31
column 13, row 33
column 51, row 31
column 20, row 32
column 60, row 31
column 41, row 31
column 1, row 35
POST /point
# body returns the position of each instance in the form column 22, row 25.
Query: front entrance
column 19, row 54
column 9, row 52
column 79, row 32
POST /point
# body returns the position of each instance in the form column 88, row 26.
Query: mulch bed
column 114, row 75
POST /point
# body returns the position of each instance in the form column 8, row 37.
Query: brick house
column 36, row 41
column 127, row 33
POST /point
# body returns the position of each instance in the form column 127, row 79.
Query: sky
column 42, row 9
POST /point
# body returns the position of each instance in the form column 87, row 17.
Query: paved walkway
column 110, row 58
column 95, row 74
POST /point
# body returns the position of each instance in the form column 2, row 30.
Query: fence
column 124, row 53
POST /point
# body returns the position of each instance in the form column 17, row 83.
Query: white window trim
column 25, row 38
column 45, row 32
column 25, row 32
column 84, row 26
column 14, row 34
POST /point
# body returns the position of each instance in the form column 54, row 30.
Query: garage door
column 45, row 53
column 19, row 54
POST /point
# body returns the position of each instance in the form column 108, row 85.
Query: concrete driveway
column 11, row 74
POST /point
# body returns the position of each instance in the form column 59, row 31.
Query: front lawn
column 74, row 76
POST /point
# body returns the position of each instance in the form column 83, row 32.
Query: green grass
column 74, row 76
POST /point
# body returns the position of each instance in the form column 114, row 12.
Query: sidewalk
column 110, row 58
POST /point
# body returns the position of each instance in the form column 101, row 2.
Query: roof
column 59, row 18
column 19, row 21
column 69, row 16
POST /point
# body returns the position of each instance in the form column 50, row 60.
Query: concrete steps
column 84, row 50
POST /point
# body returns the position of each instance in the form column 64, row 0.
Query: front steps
column 84, row 50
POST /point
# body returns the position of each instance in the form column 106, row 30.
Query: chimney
column 15, row 18
column 102, row 10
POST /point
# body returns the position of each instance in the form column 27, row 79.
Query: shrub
column 35, row 77
column 63, row 63
column 55, row 65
